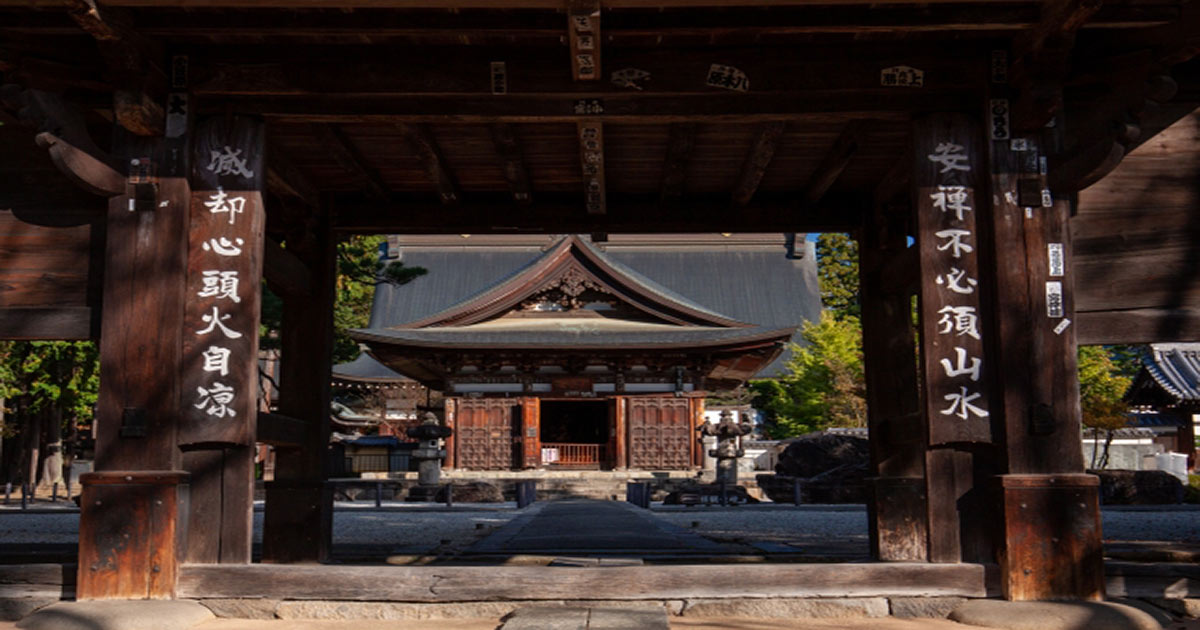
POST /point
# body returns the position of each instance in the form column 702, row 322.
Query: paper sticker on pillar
column 1062, row 326
column 1054, row 252
column 499, row 78
column 998, row 115
column 727, row 78
column 999, row 66
column 630, row 78
column 1054, row 300
column 902, row 76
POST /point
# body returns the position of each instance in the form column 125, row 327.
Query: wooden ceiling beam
column 420, row 138
column 681, row 142
column 1041, row 58
column 512, row 158
column 758, row 158
column 546, row 5
column 342, row 148
column 285, row 180
column 835, row 161
column 559, row 213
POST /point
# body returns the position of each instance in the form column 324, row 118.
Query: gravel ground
column 414, row 530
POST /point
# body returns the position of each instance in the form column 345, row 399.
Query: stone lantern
column 429, row 454
column 727, row 452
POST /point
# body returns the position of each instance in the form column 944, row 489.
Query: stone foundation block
column 788, row 607
column 925, row 607
column 242, row 608
column 383, row 611
column 1188, row 607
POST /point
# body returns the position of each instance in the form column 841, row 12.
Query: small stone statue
column 727, row 452
column 429, row 456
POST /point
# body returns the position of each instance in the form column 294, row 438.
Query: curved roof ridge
column 1176, row 367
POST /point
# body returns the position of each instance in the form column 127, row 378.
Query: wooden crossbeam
column 758, row 158
column 1041, row 60
column 591, row 159
column 834, row 162
column 512, row 158
column 681, row 141
column 625, row 214
column 61, row 322
column 279, row 430
column 339, row 145
column 420, row 138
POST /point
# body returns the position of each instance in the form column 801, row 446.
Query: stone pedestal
column 1051, row 545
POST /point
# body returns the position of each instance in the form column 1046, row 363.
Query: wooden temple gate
column 245, row 140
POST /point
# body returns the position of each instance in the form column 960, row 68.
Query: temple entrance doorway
column 575, row 433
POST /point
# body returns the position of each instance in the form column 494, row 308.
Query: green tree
column 837, row 273
column 359, row 271
column 1102, row 387
column 823, row 386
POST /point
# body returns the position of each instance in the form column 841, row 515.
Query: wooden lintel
column 1041, row 60
column 626, row 214
column 591, row 160
column 758, row 158
column 583, row 34
column 834, row 162
column 57, row 323
column 681, row 141
column 285, row 180
column 280, row 431
column 82, row 168
column 512, row 159
column 1060, row 20
column 420, row 138
column 342, row 148
column 285, row 273
column 1143, row 325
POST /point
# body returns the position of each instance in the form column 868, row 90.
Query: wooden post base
column 130, row 534
column 298, row 521
column 1052, row 541
column 899, row 531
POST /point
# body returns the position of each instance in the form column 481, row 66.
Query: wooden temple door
column 488, row 433
column 659, row 433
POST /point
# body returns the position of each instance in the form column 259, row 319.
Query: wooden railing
column 574, row 454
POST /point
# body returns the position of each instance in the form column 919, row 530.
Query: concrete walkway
column 588, row 527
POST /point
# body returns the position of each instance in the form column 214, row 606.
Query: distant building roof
column 365, row 369
column 767, row 282
column 1174, row 368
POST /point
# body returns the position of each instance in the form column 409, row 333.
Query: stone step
column 566, row 618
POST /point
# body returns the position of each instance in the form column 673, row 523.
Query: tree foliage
column 837, row 273
column 42, row 374
column 823, row 386
column 1102, row 387
column 359, row 271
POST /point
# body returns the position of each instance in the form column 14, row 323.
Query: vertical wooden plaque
column 225, row 249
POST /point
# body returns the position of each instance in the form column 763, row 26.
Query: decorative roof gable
column 569, row 276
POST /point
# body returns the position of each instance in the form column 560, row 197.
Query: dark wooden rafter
column 681, row 141
column 758, row 158
column 420, row 138
column 835, row 161
column 583, row 35
column 342, row 148
column 591, row 159
column 512, row 159
column 127, row 56
column 1041, row 61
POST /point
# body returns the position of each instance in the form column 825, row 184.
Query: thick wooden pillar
column 1051, row 543
column 957, row 403
column 450, row 419
column 220, row 344
column 888, row 276
column 531, row 442
column 298, row 523
column 129, row 531
column 621, row 453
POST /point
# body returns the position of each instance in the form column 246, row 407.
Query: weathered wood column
column 888, row 277
column 220, row 343
column 947, row 171
column 298, row 519
column 130, row 534
column 1051, row 544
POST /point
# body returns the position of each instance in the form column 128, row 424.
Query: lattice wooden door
column 487, row 433
column 659, row 433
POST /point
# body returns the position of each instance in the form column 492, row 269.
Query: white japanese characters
column 220, row 339
column 957, row 307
